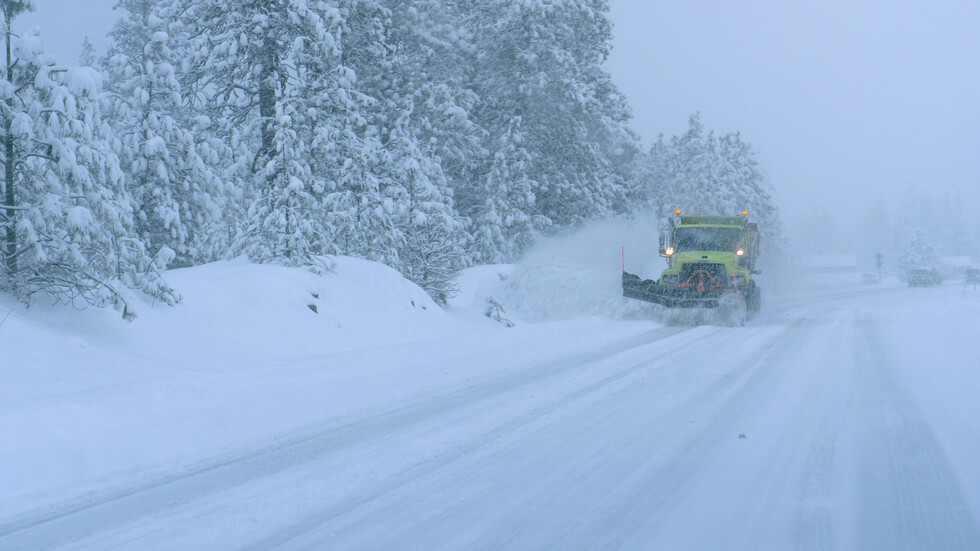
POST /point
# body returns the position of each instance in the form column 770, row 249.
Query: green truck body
column 710, row 262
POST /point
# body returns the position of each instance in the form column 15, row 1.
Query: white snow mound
column 268, row 310
column 236, row 312
column 87, row 397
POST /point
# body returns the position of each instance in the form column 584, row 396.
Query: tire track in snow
column 814, row 527
column 355, row 516
column 520, row 520
column 815, row 524
column 81, row 519
column 909, row 497
column 658, row 487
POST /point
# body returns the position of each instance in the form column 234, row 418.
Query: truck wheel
column 753, row 299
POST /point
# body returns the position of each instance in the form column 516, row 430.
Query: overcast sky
column 847, row 101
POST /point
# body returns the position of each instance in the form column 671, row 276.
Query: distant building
column 833, row 269
column 831, row 263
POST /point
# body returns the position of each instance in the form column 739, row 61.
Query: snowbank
column 263, row 311
column 85, row 395
column 255, row 312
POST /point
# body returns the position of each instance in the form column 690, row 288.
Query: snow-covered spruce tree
column 87, row 56
column 177, row 191
column 427, row 234
column 545, row 98
column 504, row 226
column 69, row 219
column 701, row 173
column 436, row 54
column 348, row 150
column 919, row 253
column 268, row 74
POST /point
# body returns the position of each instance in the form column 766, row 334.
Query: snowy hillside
column 85, row 394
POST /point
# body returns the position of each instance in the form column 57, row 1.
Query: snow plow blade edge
column 649, row 290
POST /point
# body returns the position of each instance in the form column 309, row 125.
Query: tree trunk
column 267, row 99
column 9, row 164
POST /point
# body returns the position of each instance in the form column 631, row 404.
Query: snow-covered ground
column 842, row 418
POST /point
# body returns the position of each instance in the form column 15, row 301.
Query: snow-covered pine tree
column 504, row 225
column 587, row 107
column 919, row 253
column 12, row 80
column 431, row 251
column 269, row 75
column 689, row 165
column 702, row 173
column 426, row 236
column 739, row 173
column 436, row 54
column 350, row 154
column 499, row 200
column 652, row 174
column 87, row 56
column 555, row 124
column 543, row 91
column 69, row 219
column 178, row 192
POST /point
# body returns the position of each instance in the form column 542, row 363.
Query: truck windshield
column 706, row 239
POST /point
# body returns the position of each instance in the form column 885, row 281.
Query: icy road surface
column 840, row 420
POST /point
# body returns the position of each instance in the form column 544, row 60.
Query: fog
column 850, row 105
column 66, row 23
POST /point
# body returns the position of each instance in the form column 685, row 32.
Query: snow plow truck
column 710, row 264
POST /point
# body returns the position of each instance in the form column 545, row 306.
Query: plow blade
column 649, row 290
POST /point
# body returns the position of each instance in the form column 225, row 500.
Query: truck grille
column 703, row 277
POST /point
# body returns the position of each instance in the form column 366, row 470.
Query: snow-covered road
column 838, row 420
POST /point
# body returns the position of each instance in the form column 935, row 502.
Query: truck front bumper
column 670, row 296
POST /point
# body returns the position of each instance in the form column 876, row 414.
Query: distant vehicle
column 923, row 277
column 972, row 275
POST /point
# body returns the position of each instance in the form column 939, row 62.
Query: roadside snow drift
column 259, row 311
column 85, row 394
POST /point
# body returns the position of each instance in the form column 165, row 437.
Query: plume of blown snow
column 579, row 273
